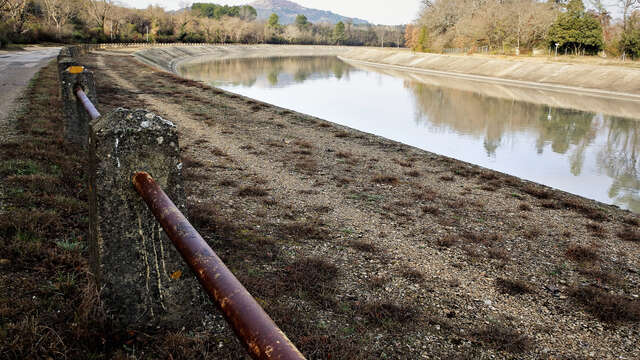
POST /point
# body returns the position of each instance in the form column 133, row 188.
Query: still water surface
column 590, row 154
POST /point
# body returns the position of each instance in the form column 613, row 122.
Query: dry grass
column 551, row 204
column 379, row 281
column 430, row 209
column 344, row 155
column 586, row 210
column 304, row 230
column 383, row 314
column 208, row 217
column 363, row 246
column 581, row 253
column 606, row 307
column 533, row 233
column 303, row 144
column 307, row 165
column 599, row 273
column 386, row 180
column 315, row 276
column 412, row 275
column 504, row 338
column 253, row 191
column 342, row 181
column 633, row 221
column 524, row 207
column 536, row 191
column 228, row 183
column 425, row 195
column 481, row 237
column 630, row 234
column 597, row 230
column 403, row 163
column 513, row 286
column 498, row 253
column 218, row 152
column 448, row 241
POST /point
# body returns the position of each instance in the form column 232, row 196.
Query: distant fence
column 466, row 50
column 137, row 269
column 152, row 45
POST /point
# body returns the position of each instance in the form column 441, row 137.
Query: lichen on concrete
column 131, row 256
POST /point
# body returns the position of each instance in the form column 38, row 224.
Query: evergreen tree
column 302, row 23
column 274, row 21
column 576, row 31
column 422, row 43
column 630, row 40
column 338, row 33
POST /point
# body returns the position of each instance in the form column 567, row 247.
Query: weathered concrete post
column 141, row 275
column 76, row 119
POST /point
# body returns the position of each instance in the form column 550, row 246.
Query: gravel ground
column 361, row 247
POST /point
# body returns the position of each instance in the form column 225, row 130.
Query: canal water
column 541, row 136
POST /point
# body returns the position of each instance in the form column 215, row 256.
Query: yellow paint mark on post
column 75, row 69
column 176, row 275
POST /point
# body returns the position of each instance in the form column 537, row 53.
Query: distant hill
column 288, row 10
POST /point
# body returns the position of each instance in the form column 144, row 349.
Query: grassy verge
column 44, row 300
column 49, row 308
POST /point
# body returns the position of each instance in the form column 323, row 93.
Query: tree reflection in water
column 619, row 159
column 276, row 71
column 567, row 131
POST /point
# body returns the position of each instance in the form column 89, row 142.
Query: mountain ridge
column 288, row 10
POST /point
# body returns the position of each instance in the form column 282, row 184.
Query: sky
column 375, row 11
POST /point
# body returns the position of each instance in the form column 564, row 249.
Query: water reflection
column 587, row 153
column 267, row 72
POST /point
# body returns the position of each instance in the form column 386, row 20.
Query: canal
column 583, row 145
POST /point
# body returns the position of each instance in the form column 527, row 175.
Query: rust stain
column 176, row 275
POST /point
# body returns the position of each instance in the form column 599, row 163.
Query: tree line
column 98, row 21
column 522, row 26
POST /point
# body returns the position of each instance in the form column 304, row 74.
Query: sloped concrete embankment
column 170, row 58
column 602, row 80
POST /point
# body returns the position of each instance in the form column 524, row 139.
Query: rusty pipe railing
column 261, row 336
column 87, row 104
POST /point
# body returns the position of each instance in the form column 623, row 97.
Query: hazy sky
column 375, row 11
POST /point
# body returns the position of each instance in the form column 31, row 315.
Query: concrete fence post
column 76, row 119
column 142, row 277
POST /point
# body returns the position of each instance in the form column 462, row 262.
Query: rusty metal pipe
column 261, row 336
column 88, row 105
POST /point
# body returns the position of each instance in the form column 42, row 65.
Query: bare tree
column 59, row 12
column 381, row 32
column 3, row 4
column 100, row 10
column 627, row 6
column 16, row 12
